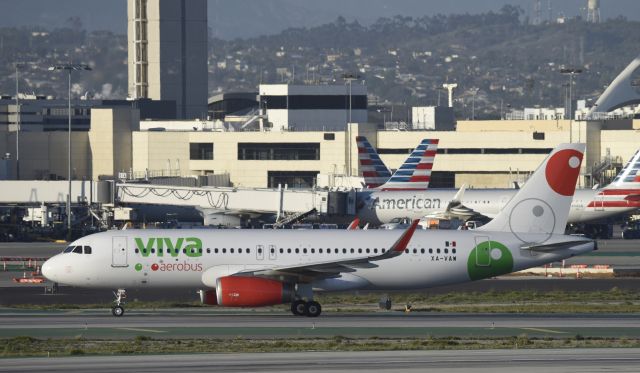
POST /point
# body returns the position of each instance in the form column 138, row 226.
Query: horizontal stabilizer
column 549, row 247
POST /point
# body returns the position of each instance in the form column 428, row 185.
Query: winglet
column 400, row 245
column 354, row 225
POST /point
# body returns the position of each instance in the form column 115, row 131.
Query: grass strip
column 24, row 346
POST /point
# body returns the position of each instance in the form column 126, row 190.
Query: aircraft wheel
column 117, row 311
column 313, row 309
column 299, row 307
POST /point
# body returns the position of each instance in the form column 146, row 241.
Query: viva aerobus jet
column 252, row 268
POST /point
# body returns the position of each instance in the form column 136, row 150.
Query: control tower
column 593, row 11
column 167, row 53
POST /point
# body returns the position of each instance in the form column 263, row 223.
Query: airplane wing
column 456, row 209
column 308, row 272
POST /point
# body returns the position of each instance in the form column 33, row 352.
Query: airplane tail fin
column 624, row 190
column 374, row 171
column 415, row 172
column 542, row 205
column 629, row 175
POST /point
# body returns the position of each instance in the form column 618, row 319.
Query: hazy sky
column 246, row 18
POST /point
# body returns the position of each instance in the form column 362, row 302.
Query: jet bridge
column 241, row 201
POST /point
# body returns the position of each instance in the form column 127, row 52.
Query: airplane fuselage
column 196, row 258
column 379, row 207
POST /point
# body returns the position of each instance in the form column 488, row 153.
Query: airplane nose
column 48, row 270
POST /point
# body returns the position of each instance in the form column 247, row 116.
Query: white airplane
column 380, row 206
column 240, row 268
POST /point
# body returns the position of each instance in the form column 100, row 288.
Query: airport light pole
column 474, row 92
column 69, row 68
column 18, row 67
column 349, row 78
column 571, row 72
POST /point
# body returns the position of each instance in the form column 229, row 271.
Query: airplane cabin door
column 483, row 251
column 119, row 252
column 599, row 203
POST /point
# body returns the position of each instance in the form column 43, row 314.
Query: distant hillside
column 402, row 59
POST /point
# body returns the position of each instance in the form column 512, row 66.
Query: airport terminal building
column 481, row 154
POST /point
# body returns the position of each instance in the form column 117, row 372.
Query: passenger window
column 87, row 249
column 239, row 251
column 288, row 251
column 78, row 250
column 453, row 251
column 352, row 251
column 231, row 250
column 446, row 251
column 215, row 250
column 438, row 251
column 224, row 251
column 297, row 251
column 421, row 251
column 208, row 251
column 137, row 251
column 313, row 251
column 153, row 251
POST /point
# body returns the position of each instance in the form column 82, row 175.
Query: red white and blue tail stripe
column 374, row 171
column 415, row 172
column 624, row 190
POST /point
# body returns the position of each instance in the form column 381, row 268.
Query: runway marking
column 143, row 330
column 545, row 330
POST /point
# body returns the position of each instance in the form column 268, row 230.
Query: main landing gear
column 118, row 309
column 302, row 308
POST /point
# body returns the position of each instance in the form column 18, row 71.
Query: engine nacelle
column 208, row 297
column 240, row 291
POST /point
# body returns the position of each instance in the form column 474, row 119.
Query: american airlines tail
column 542, row 205
column 374, row 171
column 415, row 172
column 624, row 190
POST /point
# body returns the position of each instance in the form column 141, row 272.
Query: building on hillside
column 313, row 107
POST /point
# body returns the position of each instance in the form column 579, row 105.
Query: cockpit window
column 69, row 249
column 78, row 250
column 87, row 249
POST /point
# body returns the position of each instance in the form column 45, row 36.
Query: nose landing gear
column 118, row 309
column 302, row 308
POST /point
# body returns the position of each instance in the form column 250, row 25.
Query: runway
column 204, row 323
column 478, row 361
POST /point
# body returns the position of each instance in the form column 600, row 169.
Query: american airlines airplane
column 240, row 268
column 379, row 206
